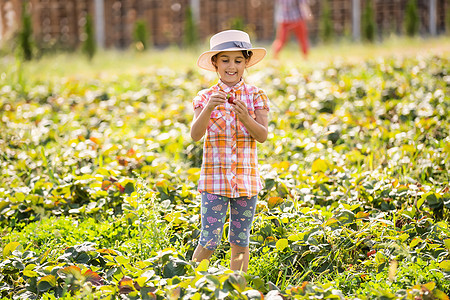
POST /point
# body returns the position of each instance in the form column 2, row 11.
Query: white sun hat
column 229, row 40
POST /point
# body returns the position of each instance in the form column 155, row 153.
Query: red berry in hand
column 230, row 98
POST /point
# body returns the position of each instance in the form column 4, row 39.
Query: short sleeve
column 199, row 100
column 261, row 101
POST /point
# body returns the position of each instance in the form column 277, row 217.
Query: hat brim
column 204, row 60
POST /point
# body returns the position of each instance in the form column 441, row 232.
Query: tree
column 368, row 22
column 326, row 22
column 238, row 24
column 447, row 21
column 25, row 35
column 141, row 35
column 89, row 48
column 411, row 18
column 190, row 33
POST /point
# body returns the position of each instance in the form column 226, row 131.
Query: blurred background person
column 291, row 15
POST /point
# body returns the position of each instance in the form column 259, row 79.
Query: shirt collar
column 238, row 86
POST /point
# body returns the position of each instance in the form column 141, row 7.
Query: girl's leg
column 301, row 32
column 214, row 210
column 241, row 218
column 280, row 40
column 239, row 258
column 201, row 253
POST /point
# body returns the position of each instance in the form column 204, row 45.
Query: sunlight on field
column 114, row 62
column 357, row 52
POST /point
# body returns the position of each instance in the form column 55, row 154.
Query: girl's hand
column 240, row 108
column 216, row 99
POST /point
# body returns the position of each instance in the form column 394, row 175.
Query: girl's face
column 231, row 66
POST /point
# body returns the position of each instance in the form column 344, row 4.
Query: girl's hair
column 246, row 53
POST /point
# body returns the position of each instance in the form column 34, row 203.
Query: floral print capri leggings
column 214, row 213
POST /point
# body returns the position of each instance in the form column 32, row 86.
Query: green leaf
column 196, row 296
column 319, row 165
column 9, row 248
column 329, row 222
column 129, row 188
column 141, row 281
column 345, row 217
column 103, row 171
column 445, row 265
column 46, row 283
column 202, row 266
column 447, row 243
column 122, row 260
column 237, row 281
column 83, row 258
column 30, row 273
column 362, row 215
column 351, row 207
column 439, row 295
column 30, row 267
column 70, row 271
column 282, row 244
column 433, row 200
column 19, row 197
column 403, row 237
column 324, row 189
column 415, row 241
column 429, row 286
column 293, row 237
column 175, row 267
column 420, row 202
column 18, row 264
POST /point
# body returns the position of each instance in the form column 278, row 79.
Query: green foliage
column 26, row 35
column 447, row 21
column 190, row 29
column 412, row 21
column 368, row 22
column 238, row 24
column 98, row 195
column 141, row 35
column 89, row 46
column 326, row 21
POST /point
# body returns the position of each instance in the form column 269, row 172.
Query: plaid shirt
column 230, row 160
column 287, row 11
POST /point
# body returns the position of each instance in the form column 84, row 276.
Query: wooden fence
column 60, row 22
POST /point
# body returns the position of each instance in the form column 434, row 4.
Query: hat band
column 227, row 45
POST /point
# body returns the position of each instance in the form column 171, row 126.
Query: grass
column 108, row 63
column 357, row 52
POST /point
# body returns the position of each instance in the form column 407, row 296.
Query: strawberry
column 230, row 98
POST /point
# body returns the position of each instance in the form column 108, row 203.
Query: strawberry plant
column 98, row 191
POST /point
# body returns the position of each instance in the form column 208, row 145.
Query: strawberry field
column 98, row 179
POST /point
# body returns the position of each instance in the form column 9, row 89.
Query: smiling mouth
column 231, row 73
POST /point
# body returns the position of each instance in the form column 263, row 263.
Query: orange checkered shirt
column 230, row 160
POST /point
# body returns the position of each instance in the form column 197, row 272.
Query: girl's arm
column 202, row 115
column 258, row 128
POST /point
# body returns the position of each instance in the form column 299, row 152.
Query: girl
column 234, row 115
column 291, row 15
